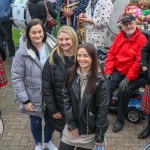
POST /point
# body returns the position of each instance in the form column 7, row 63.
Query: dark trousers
column 36, row 129
column 148, row 121
column 8, row 27
column 64, row 146
column 123, row 96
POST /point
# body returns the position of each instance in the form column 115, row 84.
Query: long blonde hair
column 71, row 32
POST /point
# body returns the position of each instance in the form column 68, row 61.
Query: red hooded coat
column 125, row 55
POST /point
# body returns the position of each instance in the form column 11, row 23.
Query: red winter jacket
column 125, row 55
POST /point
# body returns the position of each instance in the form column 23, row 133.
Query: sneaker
column 50, row 146
column 38, row 147
column 118, row 126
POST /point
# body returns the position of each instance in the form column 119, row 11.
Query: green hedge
column 16, row 35
column 18, row 32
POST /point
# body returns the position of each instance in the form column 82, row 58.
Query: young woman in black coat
column 61, row 59
column 86, row 102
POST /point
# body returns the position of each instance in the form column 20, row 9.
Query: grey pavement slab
column 17, row 135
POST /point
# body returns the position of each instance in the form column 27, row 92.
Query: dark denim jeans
column 36, row 129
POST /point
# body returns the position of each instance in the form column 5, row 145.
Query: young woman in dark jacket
column 145, row 64
column 54, row 72
column 86, row 102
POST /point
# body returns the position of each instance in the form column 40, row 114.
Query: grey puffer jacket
column 27, row 76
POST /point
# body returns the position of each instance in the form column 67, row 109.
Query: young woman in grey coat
column 27, row 69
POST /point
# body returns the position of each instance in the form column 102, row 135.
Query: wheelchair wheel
column 133, row 115
column 146, row 147
column 1, row 126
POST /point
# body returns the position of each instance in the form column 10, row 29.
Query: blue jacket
column 5, row 10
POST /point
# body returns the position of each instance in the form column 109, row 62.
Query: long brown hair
column 93, row 72
column 32, row 23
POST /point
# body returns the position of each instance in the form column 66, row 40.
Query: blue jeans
column 36, row 129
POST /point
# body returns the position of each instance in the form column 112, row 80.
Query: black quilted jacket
column 53, row 82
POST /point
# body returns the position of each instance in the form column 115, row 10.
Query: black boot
column 145, row 133
column 118, row 126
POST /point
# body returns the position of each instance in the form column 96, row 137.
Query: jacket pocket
column 32, row 87
column 34, row 93
column 92, row 115
column 92, row 119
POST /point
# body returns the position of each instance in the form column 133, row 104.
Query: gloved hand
column 108, row 76
column 124, row 84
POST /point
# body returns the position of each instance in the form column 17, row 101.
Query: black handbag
column 57, row 124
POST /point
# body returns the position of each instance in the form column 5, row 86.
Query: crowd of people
column 63, row 83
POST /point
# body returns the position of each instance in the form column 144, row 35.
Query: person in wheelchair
column 122, row 66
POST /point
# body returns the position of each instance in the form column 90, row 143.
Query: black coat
column 53, row 82
column 37, row 9
column 3, row 39
column 145, row 61
column 91, row 116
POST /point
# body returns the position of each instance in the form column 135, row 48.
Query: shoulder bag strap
column 45, row 4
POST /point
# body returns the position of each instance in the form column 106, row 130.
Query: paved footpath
column 17, row 134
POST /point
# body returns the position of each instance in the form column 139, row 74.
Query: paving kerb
column 17, row 135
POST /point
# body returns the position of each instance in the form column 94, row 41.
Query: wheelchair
column 134, row 110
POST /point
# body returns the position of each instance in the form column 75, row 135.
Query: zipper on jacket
column 92, row 115
column 69, row 126
column 99, row 136
column 87, row 115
